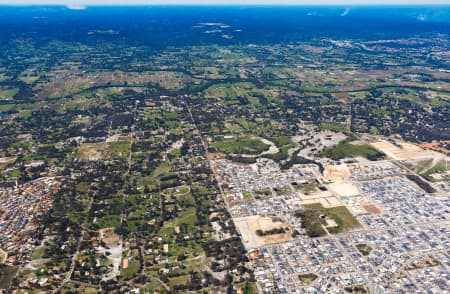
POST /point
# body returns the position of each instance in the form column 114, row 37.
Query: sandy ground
column 336, row 172
column 89, row 152
column 326, row 198
column 6, row 159
column 109, row 237
column 325, row 202
column 272, row 149
column 405, row 152
column 113, row 138
column 248, row 226
column 3, row 256
column 361, row 205
column 344, row 189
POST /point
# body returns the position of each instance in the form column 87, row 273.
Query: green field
column 241, row 145
column 180, row 280
column 248, row 288
column 364, row 249
column 8, row 93
column 131, row 270
column 38, row 252
column 307, row 188
column 342, row 128
column 108, row 221
column 177, row 191
column 313, row 219
column 428, row 167
column 186, row 217
column 307, row 279
column 6, row 275
column 346, row 149
column 119, row 149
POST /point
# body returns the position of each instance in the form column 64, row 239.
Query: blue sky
column 222, row 2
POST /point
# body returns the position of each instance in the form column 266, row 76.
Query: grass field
column 133, row 267
column 333, row 127
column 241, row 145
column 6, row 275
column 8, row 93
column 90, row 151
column 108, row 221
column 180, row 280
column 428, row 167
column 348, row 150
column 118, row 149
column 307, row 279
column 177, row 191
column 307, row 188
column 38, row 252
column 247, row 195
column 153, row 179
column 163, row 168
column 364, row 249
column 439, row 167
column 313, row 219
column 242, row 122
column 186, row 217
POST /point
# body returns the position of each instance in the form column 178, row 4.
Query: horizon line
column 230, row 4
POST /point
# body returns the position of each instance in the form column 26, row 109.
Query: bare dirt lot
column 6, row 159
column 403, row 150
column 248, row 226
column 344, row 189
column 437, row 146
column 90, row 151
column 109, row 237
column 371, row 208
column 336, row 172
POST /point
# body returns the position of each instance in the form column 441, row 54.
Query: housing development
column 376, row 228
column 224, row 150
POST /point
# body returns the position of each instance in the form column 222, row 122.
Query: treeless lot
column 92, row 151
column 371, row 208
column 437, row 146
column 108, row 236
column 403, row 150
column 248, row 226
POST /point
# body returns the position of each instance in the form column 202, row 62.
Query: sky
column 82, row 3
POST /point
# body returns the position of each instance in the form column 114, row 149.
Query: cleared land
column 248, row 226
column 344, row 189
column 371, row 208
column 91, row 151
column 437, row 146
column 336, row 172
column 403, row 150
column 241, row 145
